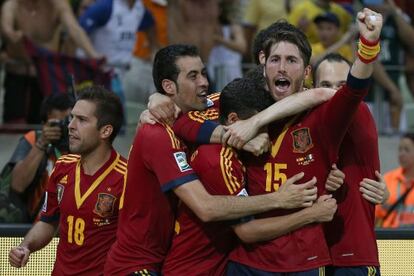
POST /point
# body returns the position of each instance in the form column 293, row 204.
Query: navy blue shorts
column 353, row 271
column 239, row 269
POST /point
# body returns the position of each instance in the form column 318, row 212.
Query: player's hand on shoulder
column 240, row 132
column 18, row 256
column 162, row 108
column 295, row 194
column 335, row 179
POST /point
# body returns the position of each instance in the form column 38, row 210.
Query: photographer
column 36, row 153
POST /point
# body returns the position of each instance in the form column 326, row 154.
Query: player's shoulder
column 157, row 134
column 120, row 165
column 68, row 160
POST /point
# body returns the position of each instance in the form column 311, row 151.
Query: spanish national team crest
column 59, row 192
column 302, row 140
column 105, row 204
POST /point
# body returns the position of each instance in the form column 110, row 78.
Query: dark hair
column 165, row 66
column 265, row 35
column 59, row 101
column 109, row 109
column 332, row 57
column 289, row 33
column 408, row 135
column 243, row 97
column 256, row 75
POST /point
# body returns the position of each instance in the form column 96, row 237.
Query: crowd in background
column 125, row 34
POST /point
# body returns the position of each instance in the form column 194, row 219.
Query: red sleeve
column 164, row 154
column 197, row 126
column 336, row 115
column 50, row 210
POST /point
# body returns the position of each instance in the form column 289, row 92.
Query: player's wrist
column 368, row 50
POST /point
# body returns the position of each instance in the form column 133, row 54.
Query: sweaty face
column 84, row 136
column 285, row 70
column 192, row 84
column 331, row 74
column 406, row 153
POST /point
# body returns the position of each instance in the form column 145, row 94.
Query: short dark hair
column 266, row 34
column 165, row 66
column 58, row 101
column 243, row 97
column 332, row 57
column 291, row 34
column 109, row 110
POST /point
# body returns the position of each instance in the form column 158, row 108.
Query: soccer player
column 202, row 248
column 84, row 190
column 359, row 160
column 308, row 142
column 159, row 175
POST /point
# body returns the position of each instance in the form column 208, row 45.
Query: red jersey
column 201, row 248
column 310, row 143
column 86, row 207
column 197, row 126
column 350, row 235
column 157, row 164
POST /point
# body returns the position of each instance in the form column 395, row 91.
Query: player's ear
column 308, row 72
column 232, row 118
column 262, row 58
column 169, row 87
column 106, row 131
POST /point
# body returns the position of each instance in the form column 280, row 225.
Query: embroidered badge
column 305, row 160
column 105, row 204
column 59, row 192
column 181, row 160
column 302, row 141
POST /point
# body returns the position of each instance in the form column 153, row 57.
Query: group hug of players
column 253, row 191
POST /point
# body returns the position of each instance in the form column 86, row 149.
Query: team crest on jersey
column 302, row 140
column 105, row 205
column 181, row 160
column 59, row 192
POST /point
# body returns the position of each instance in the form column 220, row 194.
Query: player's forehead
column 285, row 48
column 84, row 108
column 187, row 64
column 332, row 71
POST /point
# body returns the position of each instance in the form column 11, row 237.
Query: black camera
column 63, row 142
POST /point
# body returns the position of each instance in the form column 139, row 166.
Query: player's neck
column 94, row 160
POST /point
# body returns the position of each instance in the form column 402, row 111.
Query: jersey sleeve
column 50, row 210
column 96, row 15
column 165, row 155
column 337, row 114
column 198, row 126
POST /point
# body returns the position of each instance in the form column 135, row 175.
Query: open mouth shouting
column 281, row 87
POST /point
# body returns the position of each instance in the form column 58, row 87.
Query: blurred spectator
column 259, row 14
column 330, row 41
column 112, row 26
column 395, row 35
column 137, row 90
column 304, row 13
column 40, row 21
column 36, row 153
column 398, row 211
column 193, row 22
column 224, row 62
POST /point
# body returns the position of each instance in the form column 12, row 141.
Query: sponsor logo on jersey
column 105, row 205
column 181, row 160
column 305, row 160
column 302, row 141
column 59, row 192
